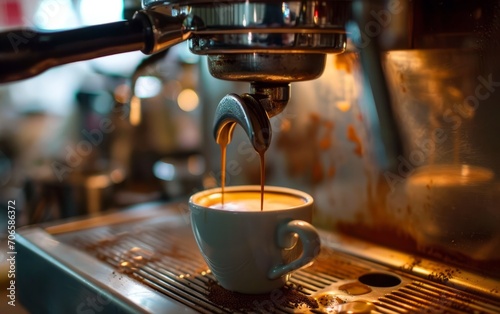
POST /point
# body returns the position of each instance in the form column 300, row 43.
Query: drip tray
column 146, row 260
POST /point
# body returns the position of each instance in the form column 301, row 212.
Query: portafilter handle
column 25, row 52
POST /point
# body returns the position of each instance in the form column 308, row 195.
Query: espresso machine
column 385, row 111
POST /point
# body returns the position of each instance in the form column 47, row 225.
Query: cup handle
column 310, row 242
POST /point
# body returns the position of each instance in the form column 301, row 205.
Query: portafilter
column 268, row 43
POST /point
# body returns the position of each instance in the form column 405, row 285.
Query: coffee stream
column 223, row 149
column 262, row 179
column 223, row 146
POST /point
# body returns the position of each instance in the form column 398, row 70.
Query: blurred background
column 73, row 140
column 67, row 135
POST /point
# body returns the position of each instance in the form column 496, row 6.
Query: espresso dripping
column 223, row 147
column 248, row 111
column 262, row 178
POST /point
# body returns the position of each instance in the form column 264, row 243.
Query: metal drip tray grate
column 167, row 259
column 160, row 255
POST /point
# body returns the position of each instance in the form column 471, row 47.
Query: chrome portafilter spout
column 249, row 114
column 252, row 113
column 269, row 75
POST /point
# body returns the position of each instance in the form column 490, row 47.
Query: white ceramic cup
column 254, row 251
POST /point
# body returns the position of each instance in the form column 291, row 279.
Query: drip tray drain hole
column 381, row 280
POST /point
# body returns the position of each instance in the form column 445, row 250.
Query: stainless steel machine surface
column 145, row 260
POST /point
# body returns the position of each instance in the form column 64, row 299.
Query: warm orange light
column 117, row 175
column 343, row 106
column 188, row 100
column 98, row 181
column 135, row 111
